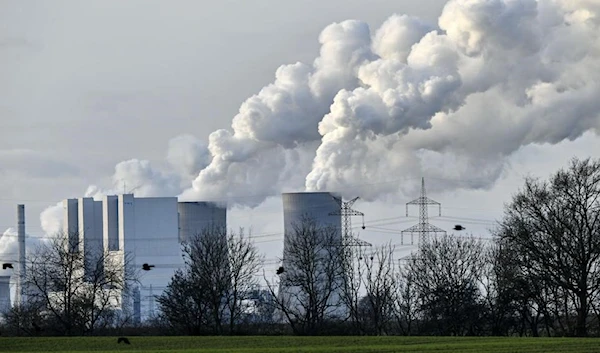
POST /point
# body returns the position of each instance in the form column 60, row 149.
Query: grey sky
column 85, row 85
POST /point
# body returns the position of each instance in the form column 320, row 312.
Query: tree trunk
column 581, row 328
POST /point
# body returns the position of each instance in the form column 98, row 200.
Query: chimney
column 21, row 240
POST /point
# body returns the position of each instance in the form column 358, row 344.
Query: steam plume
column 132, row 176
column 451, row 101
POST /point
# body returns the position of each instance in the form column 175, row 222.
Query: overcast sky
column 85, row 85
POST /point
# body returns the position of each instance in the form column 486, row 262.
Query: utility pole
column 347, row 212
column 423, row 228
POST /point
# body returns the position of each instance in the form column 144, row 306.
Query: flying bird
column 124, row 340
column 279, row 270
column 7, row 265
column 147, row 267
column 458, row 227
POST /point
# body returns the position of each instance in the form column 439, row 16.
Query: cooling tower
column 194, row 217
column 4, row 294
column 317, row 206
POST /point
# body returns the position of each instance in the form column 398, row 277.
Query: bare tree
column 19, row 319
column 406, row 302
column 555, row 226
column 77, row 289
column 208, row 267
column 353, row 267
column 380, row 283
column 311, row 285
column 244, row 264
column 501, row 281
column 518, row 302
column 446, row 272
column 215, row 284
column 182, row 305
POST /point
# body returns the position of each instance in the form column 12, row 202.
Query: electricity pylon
column 423, row 228
column 346, row 211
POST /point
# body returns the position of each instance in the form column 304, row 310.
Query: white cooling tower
column 318, row 206
column 194, row 217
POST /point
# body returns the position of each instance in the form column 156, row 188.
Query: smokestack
column 21, row 240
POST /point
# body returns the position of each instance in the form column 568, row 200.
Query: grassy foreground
column 258, row 344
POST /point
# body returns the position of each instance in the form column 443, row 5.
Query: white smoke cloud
column 251, row 159
column 140, row 178
column 132, row 176
column 188, row 155
column 52, row 219
column 486, row 25
column 502, row 75
column 451, row 102
column 397, row 35
column 9, row 251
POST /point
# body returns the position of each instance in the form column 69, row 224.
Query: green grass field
column 257, row 344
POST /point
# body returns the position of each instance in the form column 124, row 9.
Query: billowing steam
column 9, row 250
column 132, row 176
column 188, row 156
column 9, row 245
column 410, row 99
column 280, row 123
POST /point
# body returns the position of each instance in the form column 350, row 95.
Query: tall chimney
column 21, row 238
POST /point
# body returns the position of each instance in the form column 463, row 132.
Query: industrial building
column 320, row 207
column 11, row 278
column 4, row 293
column 149, row 230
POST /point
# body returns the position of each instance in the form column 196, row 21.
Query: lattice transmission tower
column 423, row 228
column 346, row 211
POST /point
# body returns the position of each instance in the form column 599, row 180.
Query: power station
column 149, row 230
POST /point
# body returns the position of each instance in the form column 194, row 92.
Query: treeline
column 537, row 276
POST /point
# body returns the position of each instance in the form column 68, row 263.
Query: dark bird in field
column 459, row 227
column 279, row 270
column 124, row 340
column 7, row 265
column 147, row 267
